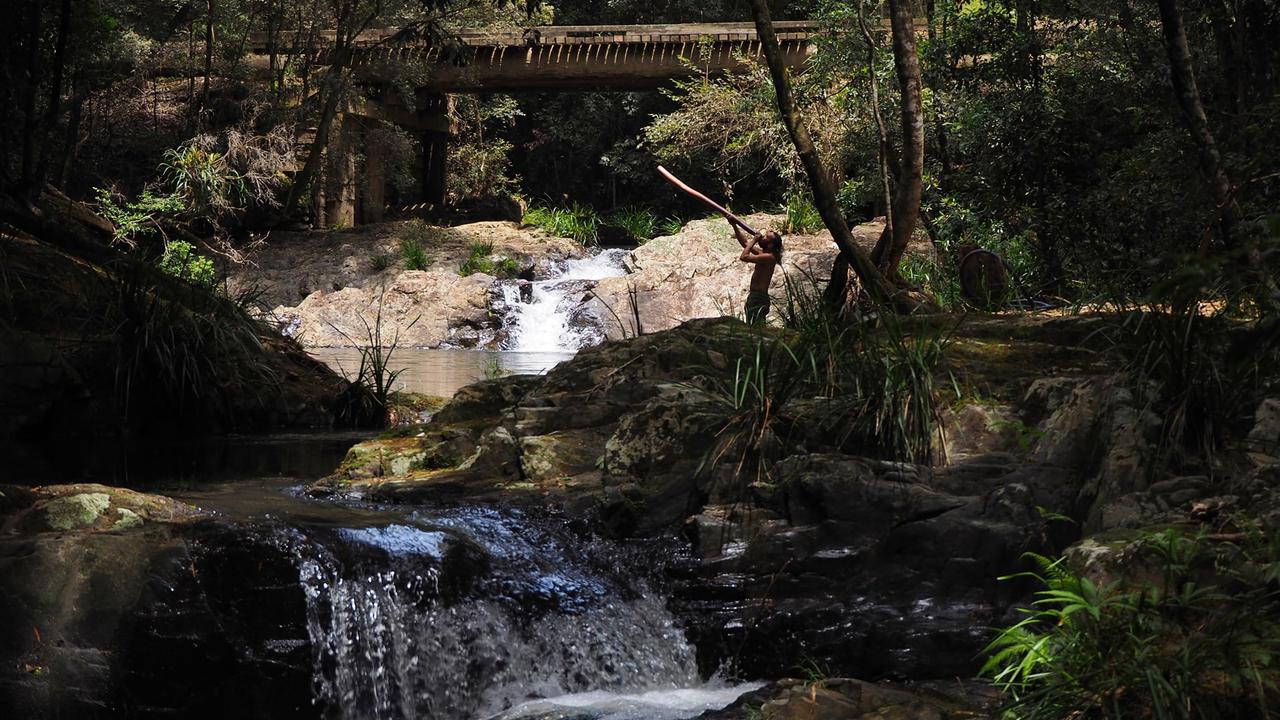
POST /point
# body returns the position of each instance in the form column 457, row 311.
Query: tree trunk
column 54, row 109
column 883, row 132
column 824, row 192
column 30, row 126
column 302, row 181
column 1183, row 78
column 72, row 150
column 906, row 201
column 208, row 59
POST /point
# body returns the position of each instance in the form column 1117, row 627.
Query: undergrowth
column 869, row 384
column 375, row 374
column 1192, row 635
column 179, row 345
column 1200, row 357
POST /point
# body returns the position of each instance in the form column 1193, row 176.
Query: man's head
column 771, row 242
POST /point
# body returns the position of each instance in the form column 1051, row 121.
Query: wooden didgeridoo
column 710, row 203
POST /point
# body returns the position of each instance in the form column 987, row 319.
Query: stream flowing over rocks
column 321, row 288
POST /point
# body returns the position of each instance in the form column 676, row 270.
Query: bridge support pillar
column 433, row 112
column 374, row 188
column 340, row 196
column 435, row 166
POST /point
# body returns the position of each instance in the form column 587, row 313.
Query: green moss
column 128, row 519
column 75, row 511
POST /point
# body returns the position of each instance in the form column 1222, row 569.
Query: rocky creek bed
column 321, row 287
column 544, row 536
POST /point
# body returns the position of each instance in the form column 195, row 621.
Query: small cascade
column 473, row 612
column 543, row 315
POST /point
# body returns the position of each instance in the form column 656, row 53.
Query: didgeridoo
column 710, row 203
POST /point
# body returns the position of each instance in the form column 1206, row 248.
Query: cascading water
column 542, row 313
column 472, row 612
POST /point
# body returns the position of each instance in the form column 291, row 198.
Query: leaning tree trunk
column 1183, row 78
column 906, row 201
column 824, row 191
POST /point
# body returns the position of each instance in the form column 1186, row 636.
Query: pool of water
column 443, row 372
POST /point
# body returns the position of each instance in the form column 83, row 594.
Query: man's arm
column 742, row 235
column 752, row 254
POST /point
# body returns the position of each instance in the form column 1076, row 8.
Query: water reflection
column 443, row 372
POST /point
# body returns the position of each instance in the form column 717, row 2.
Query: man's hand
column 740, row 234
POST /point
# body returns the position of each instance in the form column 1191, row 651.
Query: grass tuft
column 575, row 221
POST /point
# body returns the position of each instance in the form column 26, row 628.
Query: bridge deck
column 569, row 35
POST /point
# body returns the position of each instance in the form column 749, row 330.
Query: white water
column 652, row 705
column 467, row 613
column 544, row 323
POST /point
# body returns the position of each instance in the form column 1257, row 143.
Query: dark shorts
column 757, row 307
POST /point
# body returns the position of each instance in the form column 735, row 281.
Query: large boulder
column 696, row 274
column 323, row 287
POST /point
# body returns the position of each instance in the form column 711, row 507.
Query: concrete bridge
column 549, row 58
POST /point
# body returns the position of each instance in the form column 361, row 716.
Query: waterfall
column 470, row 612
column 542, row 314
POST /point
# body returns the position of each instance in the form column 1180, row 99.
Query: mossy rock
column 88, row 506
column 547, row 458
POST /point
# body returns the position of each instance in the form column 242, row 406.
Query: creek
column 413, row 611
column 544, row 321
column 471, row 611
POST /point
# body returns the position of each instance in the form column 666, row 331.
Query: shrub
column 1194, row 363
column 181, row 260
column 135, row 219
column 375, row 376
column 1198, row 641
column 879, row 374
column 941, row 284
column 670, row 226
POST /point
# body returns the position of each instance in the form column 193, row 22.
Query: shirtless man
column 765, row 252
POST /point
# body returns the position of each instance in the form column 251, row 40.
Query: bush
column 1198, row 641
column 941, row 284
column 181, row 260
column 878, row 374
column 670, row 226
column 136, row 219
column 1200, row 365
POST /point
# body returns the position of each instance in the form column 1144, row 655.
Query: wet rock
column 848, row 699
column 117, row 603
